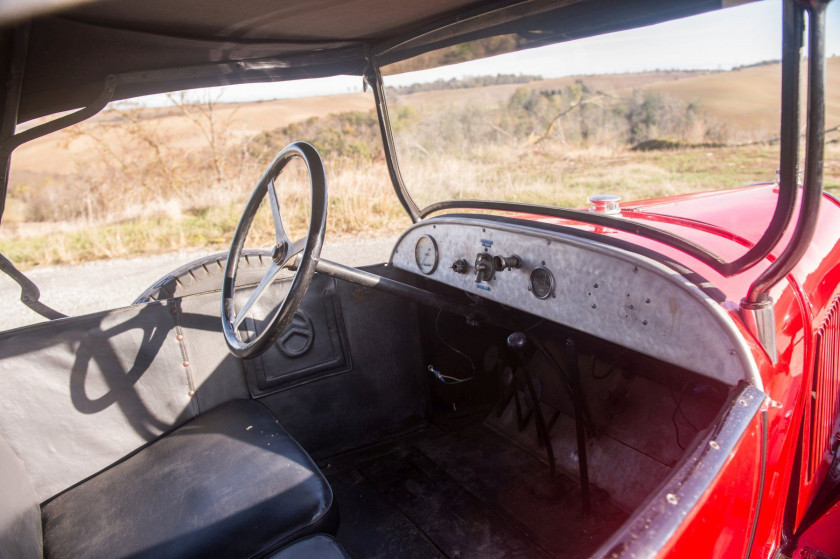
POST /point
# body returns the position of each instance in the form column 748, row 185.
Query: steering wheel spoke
column 259, row 291
column 294, row 249
column 280, row 234
column 309, row 247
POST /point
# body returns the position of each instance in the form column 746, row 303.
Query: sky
column 718, row 40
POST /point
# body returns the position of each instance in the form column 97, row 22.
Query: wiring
column 446, row 379
column 678, row 401
column 438, row 374
column 612, row 368
column 678, row 410
column 534, row 325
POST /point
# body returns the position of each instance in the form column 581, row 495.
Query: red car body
column 801, row 386
column 772, row 484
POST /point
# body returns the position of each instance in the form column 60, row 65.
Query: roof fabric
column 161, row 45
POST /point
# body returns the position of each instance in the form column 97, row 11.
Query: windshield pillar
column 373, row 77
column 15, row 43
column 806, row 221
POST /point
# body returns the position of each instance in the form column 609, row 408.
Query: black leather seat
column 230, row 483
column 319, row 546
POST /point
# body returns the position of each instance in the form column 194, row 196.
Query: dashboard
column 596, row 288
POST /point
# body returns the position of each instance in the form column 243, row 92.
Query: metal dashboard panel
column 613, row 294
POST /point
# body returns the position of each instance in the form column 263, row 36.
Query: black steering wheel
column 284, row 250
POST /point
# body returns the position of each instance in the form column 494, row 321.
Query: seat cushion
column 20, row 520
column 230, row 483
column 319, row 546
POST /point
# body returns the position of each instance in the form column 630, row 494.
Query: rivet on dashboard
column 647, row 300
column 644, row 323
column 594, row 306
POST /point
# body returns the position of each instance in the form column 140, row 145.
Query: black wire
column 613, row 365
column 679, row 404
column 461, row 353
column 679, row 410
column 534, row 325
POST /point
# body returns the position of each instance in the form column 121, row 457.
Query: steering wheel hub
column 278, row 255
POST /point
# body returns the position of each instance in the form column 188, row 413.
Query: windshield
column 688, row 105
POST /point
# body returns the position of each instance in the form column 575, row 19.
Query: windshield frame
column 792, row 44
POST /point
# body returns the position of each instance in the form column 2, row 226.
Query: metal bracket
column 12, row 142
column 760, row 320
column 29, row 293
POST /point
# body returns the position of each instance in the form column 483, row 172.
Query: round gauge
column 542, row 283
column 426, row 254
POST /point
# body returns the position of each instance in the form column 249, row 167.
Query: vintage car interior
column 401, row 405
column 502, row 386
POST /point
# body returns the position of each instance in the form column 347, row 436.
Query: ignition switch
column 483, row 267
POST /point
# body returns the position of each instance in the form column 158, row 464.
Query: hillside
column 145, row 180
column 747, row 98
column 65, row 152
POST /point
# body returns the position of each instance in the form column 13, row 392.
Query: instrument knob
column 460, row 266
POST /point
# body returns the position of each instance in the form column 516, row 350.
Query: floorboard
column 463, row 494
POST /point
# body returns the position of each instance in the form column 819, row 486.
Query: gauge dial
column 426, row 254
column 542, row 283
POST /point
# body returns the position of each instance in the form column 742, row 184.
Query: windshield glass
column 98, row 212
column 688, row 105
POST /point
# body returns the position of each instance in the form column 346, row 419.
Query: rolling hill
column 747, row 99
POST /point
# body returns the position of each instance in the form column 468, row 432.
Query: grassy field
column 362, row 202
column 148, row 181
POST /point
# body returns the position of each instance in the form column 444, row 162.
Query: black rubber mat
column 463, row 494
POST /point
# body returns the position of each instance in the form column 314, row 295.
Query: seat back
column 20, row 515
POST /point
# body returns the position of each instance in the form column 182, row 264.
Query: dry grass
column 153, row 181
column 362, row 201
column 555, row 175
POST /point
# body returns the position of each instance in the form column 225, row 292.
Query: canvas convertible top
column 154, row 46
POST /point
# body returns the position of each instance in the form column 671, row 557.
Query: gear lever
column 571, row 359
column 518, row 343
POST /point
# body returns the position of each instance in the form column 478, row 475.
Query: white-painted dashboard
column 610, row 293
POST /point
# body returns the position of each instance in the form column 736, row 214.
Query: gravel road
column 109, row 284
